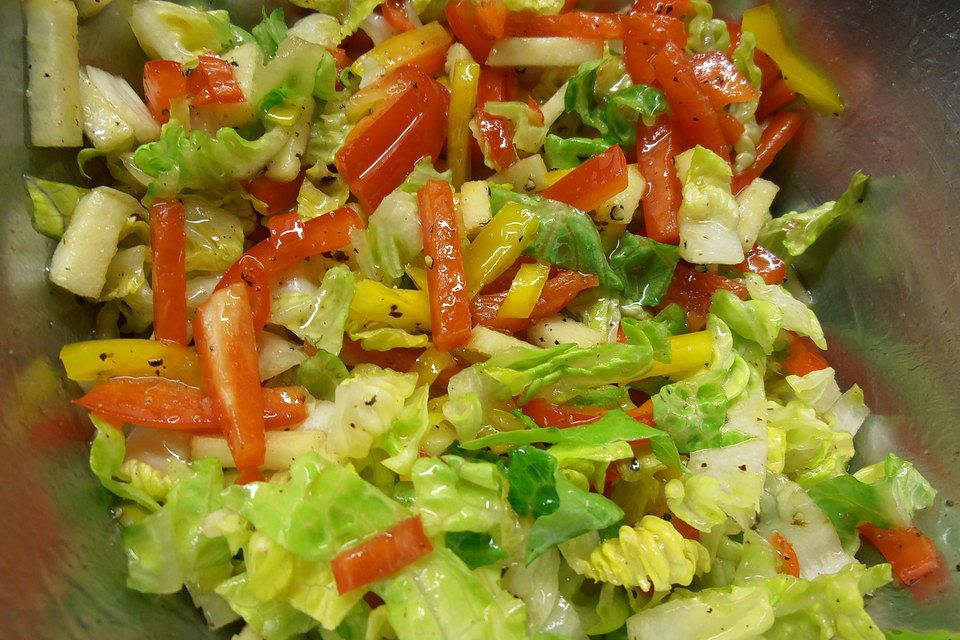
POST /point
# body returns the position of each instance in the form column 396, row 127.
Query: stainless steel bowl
column 885, row 286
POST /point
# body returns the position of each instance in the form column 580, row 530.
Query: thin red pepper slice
column 285, row 248
column 462, row 20
column 774, row 98
column 497, row 131
column 381, row 556
column 764, row 263
column 163, row 82
column 692, row 110
column 168, row 246
column 446, row 282
column 227, row 348
column 643, row 34
column 911, row 554
column 593, row 182
column 279, row 197
column 789, row 564
column 547, row 414
column 576, row 24
column 168, row 404
column 778, row 131
column 557, row 293
column 803, row 357
column 491, row 18
column 693, row 291
column 720, row 80
column 656, row 149
column 212, row 82
column 395, row 12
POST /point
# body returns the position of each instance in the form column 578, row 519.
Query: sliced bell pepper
column 547, row 414
column 498, row 245
column 400, row 359
column 774, row 98
column 688, row 352
column 278, row 197
column 720, row 79
column 212, row 82
column 424, row 48
column 789, row 564
column 462, row 20
column 103, row 359
column 731, row 128
column 430, row 364
column 167, row 404
column 643, row 34
column 803, row 357
column 692, row 110
column 381, row 556
column 446, row 280
column 693, row 291
column 395, row 12
column 911, row 554
column 163, row 82
column 496, row 132
column 168, row 247
column 593, row 182
column 463, row 103
column 292, row 243
column 381, row 151
column 661, row 199
column 227, row 348
column 799, row 73
column 376, row 303
column 765, row 264
column 524, row 291
column 778, row 131
column 557, row 293
column 576, row 24
column 491, row 18
column 365, row 101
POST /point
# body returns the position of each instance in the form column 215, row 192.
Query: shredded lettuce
column 531, row 475
column 52, row 204
column 709, row 214
column 320, row 374
column 707, row 33
column 270, row 32
column 759, row 320
column 735, row 613
column 567, row 153
column 392, row 238
column 318, row 317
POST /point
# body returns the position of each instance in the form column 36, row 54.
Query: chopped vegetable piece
column 661, row 200
column 592, row 183
column 227, row 349
column 462, row 19
column 789, row 564
column 911, row 554
column 576, row 24
column 803, row 357
column 525, row 291
column 779, row 130
column 396, row 14
column 163, row 83
column 278, row 197
column 764, row 263
column 644, row 34
column 212, row 82
column 463, row 103
column 496, row 132
column 693, row 290
column 557, row 294
column 104, row 359
column 774, row 98
column 722, row 82
column 424, row 48
column 168, row 244
column 381, row 556
column 498, row 246
column 446, row 281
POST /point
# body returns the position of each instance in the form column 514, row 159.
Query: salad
column 453, row 320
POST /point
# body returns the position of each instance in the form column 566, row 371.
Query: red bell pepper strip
column 168, row 246
column 400, row 359
column 557, row 293
column 656, row 149
column 720, row 80
column 693, row 291
column 692, row 110
column 395, row 12
column 279, row 197
column 227, row 348
column 446, row 281
column 765, row 264
column 163, row 82
column 168, row 404
column 643, row 34
column 789, row 564
column 779, row 130
column 911, row 554
column 491, row 18
column 462, row 20
column 593, row 182
column 547, row 414
column 496, row 131
column 293, row 242
column 803, row 357
column 212, row 82
column 672, row 8
column 381, row 556
column 731, row 128
column 774, row 98
column 383, row 148
column 576, row 24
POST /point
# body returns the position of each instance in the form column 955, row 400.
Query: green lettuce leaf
column 350, row 13
column 709, row 213
column 886, row 494
column 474, row 548
column 548, row 597
column 106, row 460
column 402, row 440
column 734, row 613
column 196, row 161
column 320, row 374
column 797, row 317
column 531, row 475
column 393, row 238
column 693, row 412
column 270, row 32
column 814, row 451
column 657, row 331
column 528, row 135
column 318, row 318
column 645, row 267
column 707, row 33
column 52, row 204
column 792, row 233
column 322, row 509
column 743, row 58
column 327, row 134
column 272, row 620
column 759, row 321
column 567, row 153
column 215, row 235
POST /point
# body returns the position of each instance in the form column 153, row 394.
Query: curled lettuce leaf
column 350, row 13
column 707, row 33
column 393, row 238
column 759, row 321
column 550, row 610
column 567, row 153
column 170, row 31
column 797, row 317
column 52, row 204
column 318, row 318
column 814, row 451
column 320, row 374
column 529, row 132
column 709, row 214
column 107, row 463
column 402, row 440
column 270, row 32
column 735, row 613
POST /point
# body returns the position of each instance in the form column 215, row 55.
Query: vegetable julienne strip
column 466, row 349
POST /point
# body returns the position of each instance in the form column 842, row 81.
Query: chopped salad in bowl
column 430, row 320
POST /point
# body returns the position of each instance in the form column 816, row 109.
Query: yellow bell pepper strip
column 688, row 352
column 524, row 291
column 498, row 245
column 431, row 364
column 376, row 303
column 418, row 275
column 102, row 359
column 463, row 102
column 798, row 72
column 424, row 48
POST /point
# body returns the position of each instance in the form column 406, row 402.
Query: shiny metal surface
column 885, row 287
